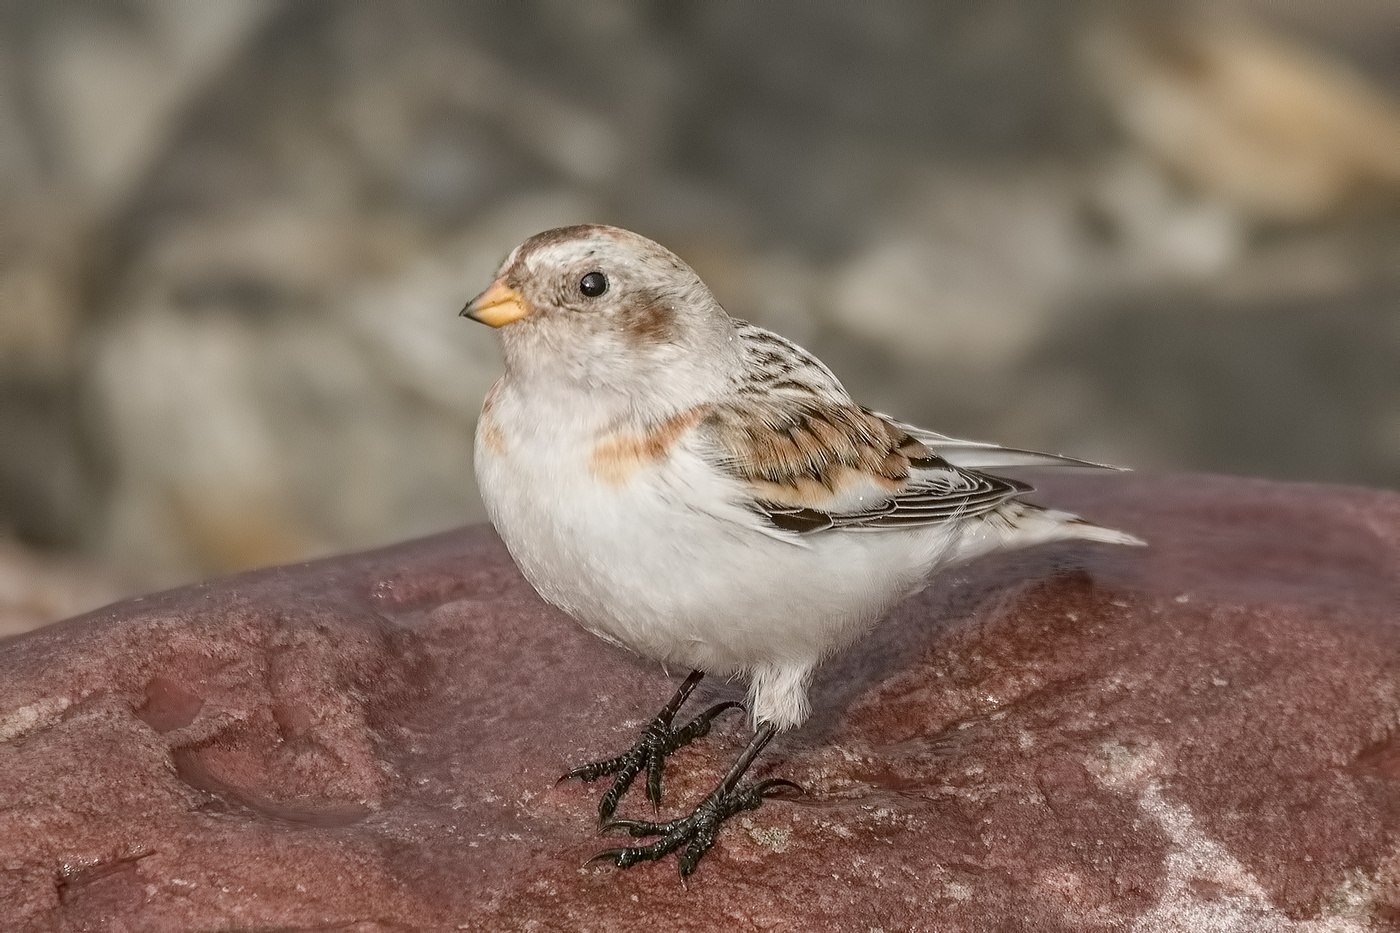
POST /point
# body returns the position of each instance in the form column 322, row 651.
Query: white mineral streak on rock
column 1205, row 888
column 26, row 719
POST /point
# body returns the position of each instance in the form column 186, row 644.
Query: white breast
column 667, row 562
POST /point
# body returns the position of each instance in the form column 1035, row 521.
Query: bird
column 707, row 494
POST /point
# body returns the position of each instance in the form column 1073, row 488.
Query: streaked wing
column 812, row 460
column 812, row 465
column 932, row 503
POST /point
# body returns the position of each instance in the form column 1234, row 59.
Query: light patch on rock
column 957, row 891
column 1123, row 767
column 775, row 838
column 1241, row 906
column 36, row 715
column 1063, row 884
column 837, row 829
column 1353, row 898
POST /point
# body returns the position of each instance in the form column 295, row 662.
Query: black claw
column 636, row 827
column 764, row 788
column 628, row 856
column 605, row 856
column 693, row 853
column 608, row 804
column 656, row 763
column 657, row 741
column 700, row 725
column 594, row 770
column 696, row 832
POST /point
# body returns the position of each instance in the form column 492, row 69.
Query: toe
column 773, row 785
column 607, row 855
column 638, row 827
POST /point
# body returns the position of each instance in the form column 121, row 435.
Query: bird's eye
column 593, row 284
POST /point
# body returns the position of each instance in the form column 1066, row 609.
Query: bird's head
column 598, row 308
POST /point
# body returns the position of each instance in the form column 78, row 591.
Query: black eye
column 593, row 284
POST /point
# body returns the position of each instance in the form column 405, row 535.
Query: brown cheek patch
column 650, row 324
column 618, row 456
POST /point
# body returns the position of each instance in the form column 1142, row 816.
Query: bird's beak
column 497, row 306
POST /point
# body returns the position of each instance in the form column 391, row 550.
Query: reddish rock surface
column 1197, row 736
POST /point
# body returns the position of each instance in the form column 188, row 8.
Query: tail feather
column 1083, row 530
column 1019, row 524
column 979, row 455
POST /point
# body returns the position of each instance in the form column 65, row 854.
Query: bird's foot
column 658, row 740
column 696, row 832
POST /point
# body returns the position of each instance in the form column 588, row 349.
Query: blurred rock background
column 234, row 237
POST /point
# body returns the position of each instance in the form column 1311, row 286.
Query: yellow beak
column 497, row 306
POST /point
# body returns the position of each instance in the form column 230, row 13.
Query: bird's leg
column 658, row 740
column 697, row 832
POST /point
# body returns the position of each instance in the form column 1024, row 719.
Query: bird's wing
column 814, row 466
column 810, row 459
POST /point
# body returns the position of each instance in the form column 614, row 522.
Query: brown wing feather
column 808, row 454
column 798, row 461
column 812, row 460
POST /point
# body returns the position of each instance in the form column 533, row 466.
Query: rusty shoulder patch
column 617, row 456
column 490, row 434
column 487, row 430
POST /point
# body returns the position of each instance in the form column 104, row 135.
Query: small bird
column 706, row 493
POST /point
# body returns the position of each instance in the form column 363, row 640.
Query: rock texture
column 1199, row 736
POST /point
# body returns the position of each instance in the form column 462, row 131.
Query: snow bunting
column 707, row 494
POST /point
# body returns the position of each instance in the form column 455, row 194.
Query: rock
column 1199, row 736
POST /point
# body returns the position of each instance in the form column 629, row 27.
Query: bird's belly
column 624, row 563
column 645, row 564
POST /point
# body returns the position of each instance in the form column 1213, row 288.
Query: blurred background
column 234, row 238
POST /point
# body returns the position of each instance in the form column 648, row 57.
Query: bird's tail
column 1081, row 529
column 1019, row 524
column 1035, row 524
column 980, row 455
